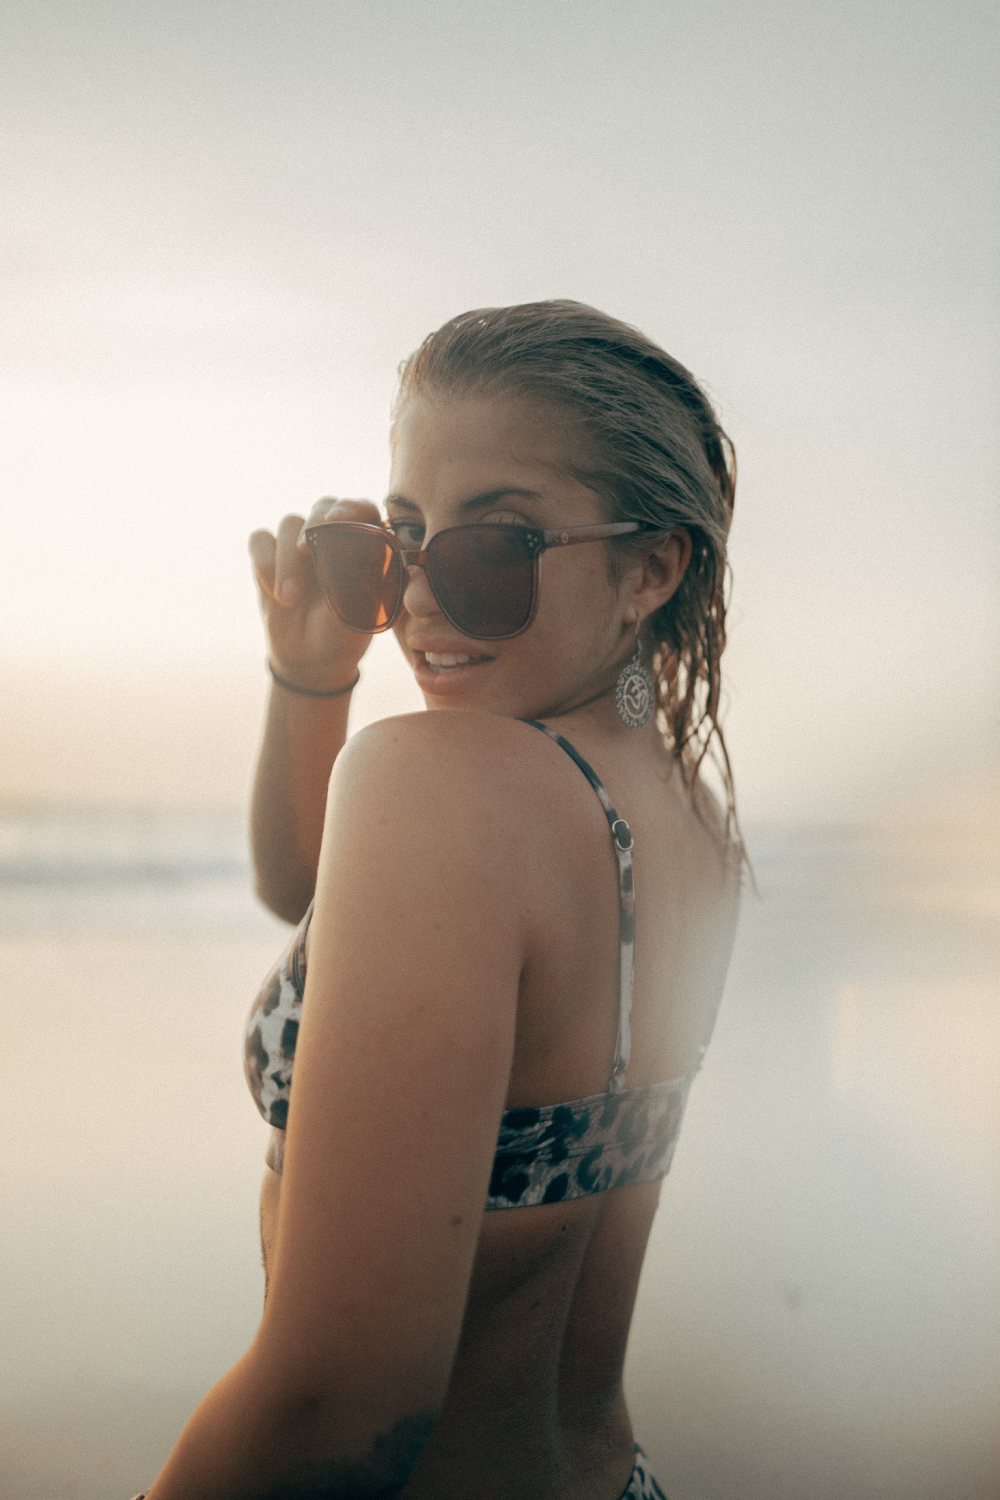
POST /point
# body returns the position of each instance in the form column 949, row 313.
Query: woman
column 486, row 1098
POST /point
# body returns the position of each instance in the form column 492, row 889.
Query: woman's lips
column 447, row 671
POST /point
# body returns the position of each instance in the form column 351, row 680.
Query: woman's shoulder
column 436, row 746
column 465, row 765
column 437, row 794
column 443, row 726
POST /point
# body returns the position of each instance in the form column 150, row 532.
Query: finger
column 333, row 509
column 292, row 571
column 261, row 547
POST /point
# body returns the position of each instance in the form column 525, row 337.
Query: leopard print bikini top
column 546, row 1153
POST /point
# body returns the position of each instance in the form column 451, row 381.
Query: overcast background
column 225, row 224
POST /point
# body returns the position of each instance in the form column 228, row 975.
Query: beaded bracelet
column 293, row 687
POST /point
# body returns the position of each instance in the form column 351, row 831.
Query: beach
column 818, row 1314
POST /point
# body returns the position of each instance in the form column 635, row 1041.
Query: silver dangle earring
column 635, row 691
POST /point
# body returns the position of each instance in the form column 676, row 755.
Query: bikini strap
column 621, row 840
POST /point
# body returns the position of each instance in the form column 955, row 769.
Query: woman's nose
column 418, row 599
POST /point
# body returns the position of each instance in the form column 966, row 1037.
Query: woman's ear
column 658, row 573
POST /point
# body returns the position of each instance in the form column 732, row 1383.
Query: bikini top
column 546, row 1153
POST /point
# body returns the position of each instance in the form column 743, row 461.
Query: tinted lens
column 360, row 574
column 484, row 578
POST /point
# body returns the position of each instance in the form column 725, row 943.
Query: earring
column 635, row 691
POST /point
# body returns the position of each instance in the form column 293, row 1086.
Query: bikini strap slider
column 622, row 833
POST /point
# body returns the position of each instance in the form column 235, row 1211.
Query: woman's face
column 463, row 459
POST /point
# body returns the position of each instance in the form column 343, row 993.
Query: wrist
column 306, row 688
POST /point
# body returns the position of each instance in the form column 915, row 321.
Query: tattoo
column 380, row 1475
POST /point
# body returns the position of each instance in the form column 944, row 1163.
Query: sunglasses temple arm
column 599, row 533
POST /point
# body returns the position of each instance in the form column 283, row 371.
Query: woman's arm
column 248, row 1441
column 401, row 1071
column 302, row 739
column 303, row 735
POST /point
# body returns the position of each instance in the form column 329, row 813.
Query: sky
column 226, row 223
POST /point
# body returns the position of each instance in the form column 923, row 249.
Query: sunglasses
column 484, row 577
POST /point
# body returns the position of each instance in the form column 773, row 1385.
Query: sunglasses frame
column 537, row 540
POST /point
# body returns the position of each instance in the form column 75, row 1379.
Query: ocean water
column 127, row 872
column 820, row 1307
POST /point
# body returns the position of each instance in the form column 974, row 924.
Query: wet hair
column 655, row 452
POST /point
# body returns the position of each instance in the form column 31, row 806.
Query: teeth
column 446, row 659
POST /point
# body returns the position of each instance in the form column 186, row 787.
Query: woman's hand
column 303, row 734
column 307, row 643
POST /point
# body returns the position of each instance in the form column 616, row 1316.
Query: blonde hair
column 656, row 453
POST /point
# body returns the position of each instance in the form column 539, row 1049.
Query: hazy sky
column 224, row 224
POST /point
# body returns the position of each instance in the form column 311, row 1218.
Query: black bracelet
column 293, row 687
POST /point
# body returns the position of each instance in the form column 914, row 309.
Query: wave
column 124, row 870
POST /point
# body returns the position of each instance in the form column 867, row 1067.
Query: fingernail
column 290, row 591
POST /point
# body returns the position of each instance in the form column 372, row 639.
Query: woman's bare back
column 535, row 1403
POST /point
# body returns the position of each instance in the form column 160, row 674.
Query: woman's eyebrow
column 475, row 503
